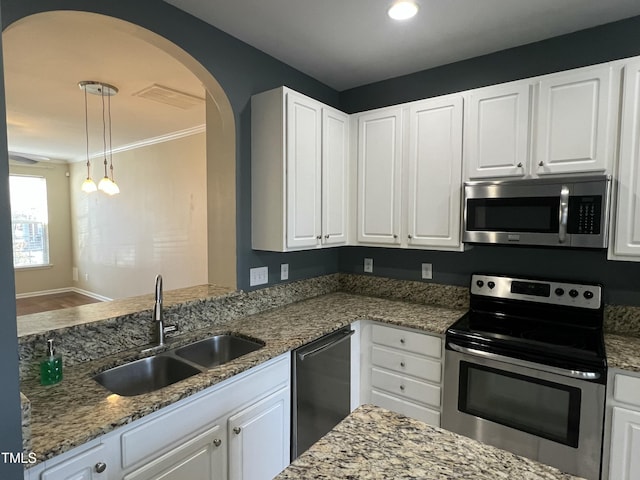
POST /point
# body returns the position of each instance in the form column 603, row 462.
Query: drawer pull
column 402, row 341
column 402, row 387
column 217, row 442
column 402, row 364
column 100, row 467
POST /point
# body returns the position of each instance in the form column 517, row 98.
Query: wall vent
column 169, row 96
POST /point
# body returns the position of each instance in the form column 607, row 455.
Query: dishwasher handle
column 331, row 342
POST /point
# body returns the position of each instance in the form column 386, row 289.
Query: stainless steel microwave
column 560, row 212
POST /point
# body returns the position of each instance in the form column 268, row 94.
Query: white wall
column 157, row 224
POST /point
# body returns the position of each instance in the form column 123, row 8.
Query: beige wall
column 157, row 224
column 58, row 275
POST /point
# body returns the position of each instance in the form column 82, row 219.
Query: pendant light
column 107, row 184
column 88, row 186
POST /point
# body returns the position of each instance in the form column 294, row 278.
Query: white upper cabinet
column 626, row 215
column 304, row 173
column 434, row 174
column 379, row 176
column 497, row 131
column 575, row 121
column 299, row 153
column 335, row 176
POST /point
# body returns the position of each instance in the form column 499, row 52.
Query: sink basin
column 146, row 375
column 217, row 350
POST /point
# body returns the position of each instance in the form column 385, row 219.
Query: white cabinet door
column 574, row 122
column 201, row 458
column 259, row 438
column 96, row 463
column 379, row 176
column 624, row 461
column 626, row 241
column 335, row 159
column 304, row 174
column 497, row 131
column 435, row 173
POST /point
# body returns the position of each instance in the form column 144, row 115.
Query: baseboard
column 86, row 293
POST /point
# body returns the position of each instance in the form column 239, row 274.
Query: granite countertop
column 78, row 409
column 374, row 443
column 623, row 352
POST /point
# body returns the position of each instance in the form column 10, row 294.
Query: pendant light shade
column 107, row 184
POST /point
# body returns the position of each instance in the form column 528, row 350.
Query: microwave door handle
column 563, row 214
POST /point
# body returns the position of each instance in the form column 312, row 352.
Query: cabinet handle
column 237, row 430
column 520, row 165
column 402, row 341
column 100, row 467
column 326, row 236
column 395, row 236
column 319, row 237
column 402, row 364
column 217, row 442
column 402, row 387
column 409, row 237
column 541, row 163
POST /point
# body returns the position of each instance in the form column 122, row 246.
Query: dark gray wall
column 586, row 47
column 10, row 424
column 596, row 45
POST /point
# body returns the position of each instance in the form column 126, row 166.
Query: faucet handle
column 170, row 328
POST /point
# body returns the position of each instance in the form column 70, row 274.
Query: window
column 29, row 220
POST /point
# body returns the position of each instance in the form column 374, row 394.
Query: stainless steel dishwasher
column 321, row 388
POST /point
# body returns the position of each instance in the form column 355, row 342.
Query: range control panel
column 552, row 292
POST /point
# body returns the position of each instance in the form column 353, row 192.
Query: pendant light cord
column 110, row 144
column 104, row 131
column 86, row 132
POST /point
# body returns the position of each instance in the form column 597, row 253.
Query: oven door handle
column 524, row 363
column 563, row 214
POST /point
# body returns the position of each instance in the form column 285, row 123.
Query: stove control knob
column 491, row 284
column 588, row 294
column 573, row 293
column 559, row 291
column 480, row 283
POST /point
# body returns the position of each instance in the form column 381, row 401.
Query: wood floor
column 55, row 301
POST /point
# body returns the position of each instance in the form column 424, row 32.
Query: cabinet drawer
column 407, row 341
column 406, row 363
column 627, row 389
column 406, row 387
column 399, row 405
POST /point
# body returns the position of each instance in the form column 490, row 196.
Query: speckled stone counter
column 25, row 405
column 623, row 352
column 374, row 443
column 77, row 410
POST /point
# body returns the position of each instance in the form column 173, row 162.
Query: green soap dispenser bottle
column 51, row 366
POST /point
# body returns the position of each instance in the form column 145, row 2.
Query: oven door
column 549, row 417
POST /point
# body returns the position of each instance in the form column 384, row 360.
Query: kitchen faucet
column 161, row 330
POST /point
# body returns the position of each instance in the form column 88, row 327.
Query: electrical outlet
column 427, row 271
column 258, row 276
column 368, row 265
column 284, row 271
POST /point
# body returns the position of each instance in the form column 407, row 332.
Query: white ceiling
column 46, row 55
column 347, row 43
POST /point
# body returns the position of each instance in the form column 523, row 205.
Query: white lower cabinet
column 257, row 435
column 238, row 429
column 201, row 457
column 622, row 430
column 401, row 370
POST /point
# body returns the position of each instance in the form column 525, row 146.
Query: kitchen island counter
column 374, row 443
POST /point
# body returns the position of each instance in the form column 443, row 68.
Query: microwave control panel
column 584, row 215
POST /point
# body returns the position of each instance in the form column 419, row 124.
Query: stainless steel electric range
column 525, row 370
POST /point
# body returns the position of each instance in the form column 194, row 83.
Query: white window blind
column 29, row 220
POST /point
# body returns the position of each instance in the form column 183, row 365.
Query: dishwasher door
column 321, row 388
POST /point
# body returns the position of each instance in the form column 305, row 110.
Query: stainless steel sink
column 145, row 375
column 217, row 350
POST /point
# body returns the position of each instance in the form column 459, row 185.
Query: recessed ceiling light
column 403, row 10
